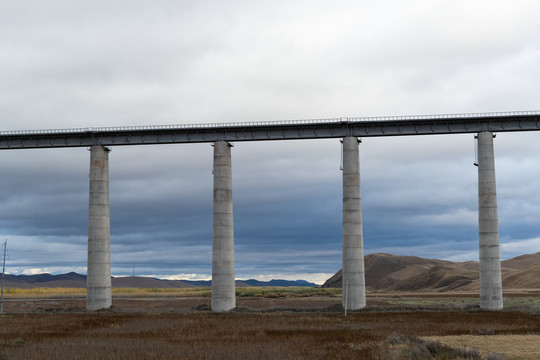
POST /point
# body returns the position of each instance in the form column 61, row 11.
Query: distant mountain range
column 386, row 272
column 74, row 280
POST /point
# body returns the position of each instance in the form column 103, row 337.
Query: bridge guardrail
column 267, row 123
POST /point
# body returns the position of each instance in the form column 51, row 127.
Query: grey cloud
column 92, row 64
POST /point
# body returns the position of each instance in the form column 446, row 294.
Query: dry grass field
column 510, row 346
column 269, row 323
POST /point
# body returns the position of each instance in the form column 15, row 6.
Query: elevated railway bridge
column 349, row 129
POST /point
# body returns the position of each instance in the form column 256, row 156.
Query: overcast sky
column 77, row 64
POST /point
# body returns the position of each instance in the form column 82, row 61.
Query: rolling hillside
column 385, row 272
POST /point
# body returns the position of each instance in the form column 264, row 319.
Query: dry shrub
column 484, row 332
column 495, row 357
column 413, row 348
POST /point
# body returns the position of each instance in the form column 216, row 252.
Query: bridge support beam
column 223, row 286
column 490, row 261
column 98, row 281
column 353, row 278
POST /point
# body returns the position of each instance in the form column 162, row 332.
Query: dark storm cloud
column 89, row 64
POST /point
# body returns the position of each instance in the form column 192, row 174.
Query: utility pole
column 3, row 276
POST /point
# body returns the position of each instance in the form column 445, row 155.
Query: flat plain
column 269, row 323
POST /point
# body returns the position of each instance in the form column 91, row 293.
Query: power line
column 3, row 277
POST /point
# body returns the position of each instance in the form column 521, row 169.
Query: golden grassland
column 262, row 291
column 38, row 292
column 512, row 347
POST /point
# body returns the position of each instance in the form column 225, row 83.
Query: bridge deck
column 274, row 130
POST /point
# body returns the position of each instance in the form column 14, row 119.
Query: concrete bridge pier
column 490, row 261
column 223, row 286
column 353, row 278
column 98, row 281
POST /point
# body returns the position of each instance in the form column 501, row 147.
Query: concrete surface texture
column 488, row 223
column 223, row 287
column 98, row 294
column 353, row 279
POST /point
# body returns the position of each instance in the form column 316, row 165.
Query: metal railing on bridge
column 273, row 130
column 270, row 123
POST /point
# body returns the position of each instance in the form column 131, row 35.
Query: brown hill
column 69, row 280
column 385, row 272
column 522, row 261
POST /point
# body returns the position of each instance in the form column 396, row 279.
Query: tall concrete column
column 488, row 223
column 98, row 281
column 223, row 287
column 353, row 278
